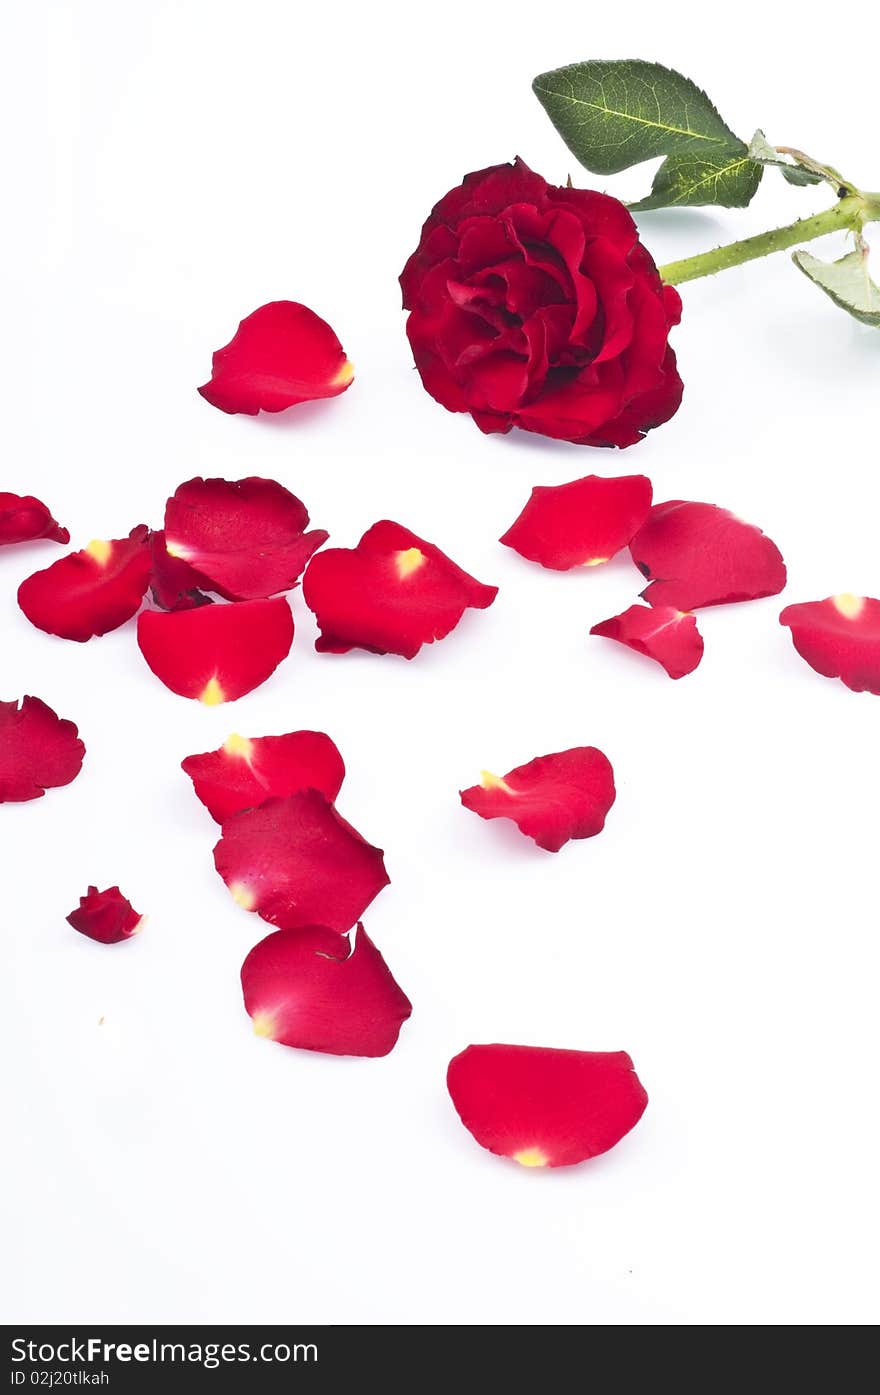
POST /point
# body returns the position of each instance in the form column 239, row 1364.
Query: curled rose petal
column 296, row 862
column 216, row 653
column 24, row 519
column 106, row 916
column 697, row 554
column 310, row 989
column 544, row 1107
column 38, row 750
column 281, row 354
column 580, row 524
column 662, row 633
column 250, row 769
column 839, row 638
column 551, row 799
column 90, row 592
column 173, row 583
column 391, row 594
column 245, row 538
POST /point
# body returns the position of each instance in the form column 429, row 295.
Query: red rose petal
column 543, row 1107
column 551, row 799
column 309, row 989
column 839, row 638
column 582, row 523
column 391, row 594
column 660, row 632
column 281, row 354
column 174, row 584
column 248, row 770
column 24, row 519
column 697, row 554
column 216, row 653
column 296, row 862
column 245, row 538
column 38, row 750
column 105, row 916
column 90, row 592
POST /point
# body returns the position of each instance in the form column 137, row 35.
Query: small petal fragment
column 248, row 770
column 580, row 524
column 839, row 638
column 544, row 1107
column 90, row 592
column 296, row 862
column 105, row 916
column 24, row 519
column 662, row 633
column 281, row 354
column 551, row 799
column 216, row 653
column 698, row 554
column 246, row 539
column 38, row 750
column 310, row 989
column 391, row 594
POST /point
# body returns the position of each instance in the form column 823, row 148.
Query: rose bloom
column 538, row 307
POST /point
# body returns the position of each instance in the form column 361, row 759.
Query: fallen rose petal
column 24, row 519
column 544, row 1107
column 310, row 989
column 296, row 862
column 38, row 750
column 90, row 592
column 662, row 633
column 248, row 770
column 281, row 354
column 839, row 638
column 173, row 583
column 105, row 916
column 245, row 538
column 697, row 555
column 580, row 524
column 551, row 799
column 216, row 653
column 391, row 594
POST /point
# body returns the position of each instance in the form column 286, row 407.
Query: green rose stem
column 852, row 212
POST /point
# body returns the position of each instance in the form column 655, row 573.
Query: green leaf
column 796, row 174
column 764, row 153
column 688, row 180
column 612, row 115
column 761, row 149
column 847, row 283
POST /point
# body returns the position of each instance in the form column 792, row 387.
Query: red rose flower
column 538, row 307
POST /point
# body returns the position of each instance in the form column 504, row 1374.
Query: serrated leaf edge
column 801, row 258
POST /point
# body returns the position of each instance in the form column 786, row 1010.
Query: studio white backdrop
column 169, row 167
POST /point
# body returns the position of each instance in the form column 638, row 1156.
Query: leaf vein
column 713, row 177
column 638, row 120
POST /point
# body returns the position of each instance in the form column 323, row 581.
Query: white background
column 171, row 166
